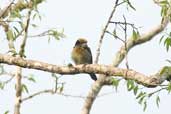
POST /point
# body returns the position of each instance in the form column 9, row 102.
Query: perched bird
column 81, row 54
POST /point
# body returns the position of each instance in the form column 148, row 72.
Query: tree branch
column 19, row 5
column 36, row 94
column 120, row 55
column 104, row 30
column 59, row 93
column 149, row 81
column 96, row 87
column 22, row 47
column 19, row 69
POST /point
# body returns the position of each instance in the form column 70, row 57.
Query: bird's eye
column 77, row 42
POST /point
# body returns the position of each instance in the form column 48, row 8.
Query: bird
column 81, row 54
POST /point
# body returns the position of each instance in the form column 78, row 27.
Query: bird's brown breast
column 81, row 56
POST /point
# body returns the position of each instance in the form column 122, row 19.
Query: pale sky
column 86, row 18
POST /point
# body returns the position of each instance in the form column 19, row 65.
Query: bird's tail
column 93, row 76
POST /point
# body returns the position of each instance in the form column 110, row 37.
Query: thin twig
column 41, row 34
column 51, row 32
column 8, row 21
column 7, row 81
column 19, row 69
column 56, row 84
column 117, row 37
column 150, row 94
column 121, row 3
column 123, row 23
column 22, row 47
column 126, row 49
column 20, row 33
column 36, row 94
column 63, row 94
column 103, row 32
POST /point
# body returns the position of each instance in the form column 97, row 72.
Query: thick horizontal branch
column 149, row 81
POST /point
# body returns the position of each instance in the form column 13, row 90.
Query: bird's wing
column 89, row 51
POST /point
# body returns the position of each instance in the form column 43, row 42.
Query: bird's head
column 81, row 41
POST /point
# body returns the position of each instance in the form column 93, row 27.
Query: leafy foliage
column 165, row 12
column 143, row 96
column 140, row 95
column 169, row 87
column 59, row 86
column 157, row 101
column 6, row 112
column 135, row 34
column 167, row 41
column 2, row 85
column 31, row 78
column 115, row 83
column 24, row 88
column 55, row 34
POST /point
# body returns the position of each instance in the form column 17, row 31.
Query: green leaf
column 34, row 16
column 169, row 87
column 6, row 112
column 157, row 101
column 22, row 25
column 15, row 13
column 138, row 34
column 31, row 78
column 164, row 11
column 1, row 69
column 34, row 25
column 164, row 2
column 145, row 106
column 1, row 85
column 24, row 88
column 134, row 35
column 135, row 90
column 115, row 83
column 16, row 32
column 140, row 95
column 36, row 2
column 114, row 33
column 37, row 15
column 161, row 39
column 169, row 61
column 141, row 99
column 16, row 29
column 130, row 85
column 61, row 88
column 57, row 35
column 167, row 43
